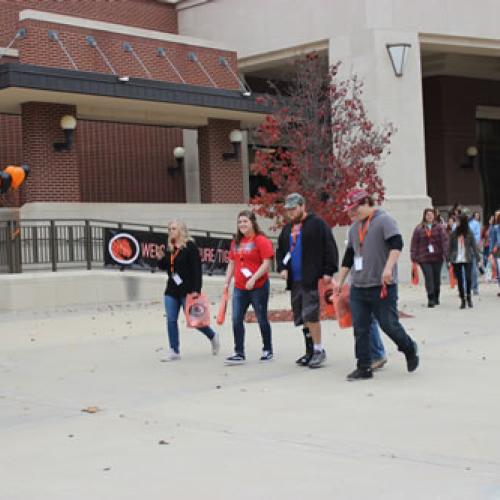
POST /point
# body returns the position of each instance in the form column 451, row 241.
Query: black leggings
column 432, row 275
column 458, row 269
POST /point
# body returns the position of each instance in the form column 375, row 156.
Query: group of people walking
column 457, row 243
column 306, row 253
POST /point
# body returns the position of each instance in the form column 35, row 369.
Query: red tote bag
column 197, row 310
column 342, row 307
column 221, row 313
column 414, row 274
column 326, row 292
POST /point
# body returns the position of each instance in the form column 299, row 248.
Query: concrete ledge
column 50, row 291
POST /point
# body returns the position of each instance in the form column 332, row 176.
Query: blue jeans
column 172, row 308
column 259, row 298
column 376, row 345
column 366, row 303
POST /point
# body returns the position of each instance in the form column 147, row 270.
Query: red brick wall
column 128, row 163
column 148, row 14
column 54, row 175
column 38, row 49
column 221, row 181
column 116, row 162
column 10, row 151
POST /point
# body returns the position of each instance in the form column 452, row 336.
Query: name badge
column 286, row 258
column 177, row 279
column 246, row 272
column 431, row 248
column 358, row 263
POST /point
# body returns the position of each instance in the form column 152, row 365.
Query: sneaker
column 412, row 360
column 359, row 374
column 266, row 356
column 377, row 364
column 172, row 356
column 304, row 360
column 215, row 341
column 318, row 358
column 235, row 359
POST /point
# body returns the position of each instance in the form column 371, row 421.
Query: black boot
column 469, row 301
column 462, row 303
column 304, row 360
column 436, row 296
column 431, row 302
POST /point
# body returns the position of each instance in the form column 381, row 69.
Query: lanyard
column 428, row 232
column 296, row 228
column 173, row 256
column 362, row 230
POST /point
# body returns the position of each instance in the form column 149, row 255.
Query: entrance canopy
column 106, row 97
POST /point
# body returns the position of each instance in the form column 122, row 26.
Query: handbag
column 221, row 313
column 414, row 274
column 197, row 310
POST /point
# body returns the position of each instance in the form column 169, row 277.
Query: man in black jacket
column 306, row 253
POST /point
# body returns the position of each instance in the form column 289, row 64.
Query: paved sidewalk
column 273, row 431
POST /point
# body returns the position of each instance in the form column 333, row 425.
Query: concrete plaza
column 273, row 431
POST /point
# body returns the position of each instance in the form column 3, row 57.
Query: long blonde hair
column 184, row 236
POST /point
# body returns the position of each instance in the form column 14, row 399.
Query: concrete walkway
column 273, row 431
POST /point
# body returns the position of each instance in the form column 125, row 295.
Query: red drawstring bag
column 326, row 292
column 453, row 279
column 414, row 274
column 197, row 310
column 342, row 307
column 221, row 313
column 494, row 270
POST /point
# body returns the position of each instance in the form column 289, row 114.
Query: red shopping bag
column 326, row 292
column 221, row 313
column 414, row 274
column 494, row 270
column 342, row 307
column 197, row 310
column 453, row 279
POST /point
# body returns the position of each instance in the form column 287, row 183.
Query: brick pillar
column 221, row 181
column 54, row 175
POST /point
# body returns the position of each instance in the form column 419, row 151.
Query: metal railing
column 36, row 244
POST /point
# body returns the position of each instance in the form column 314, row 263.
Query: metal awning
column 104, row 97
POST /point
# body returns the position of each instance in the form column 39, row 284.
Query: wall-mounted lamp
column 68, row 125
column 179, row 153
column 470, row 157
column 235, row 138
column 398, row 53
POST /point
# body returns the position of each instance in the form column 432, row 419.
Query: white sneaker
column 172, row 356
column 215, row 341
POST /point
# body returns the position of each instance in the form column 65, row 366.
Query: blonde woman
column 183, row 265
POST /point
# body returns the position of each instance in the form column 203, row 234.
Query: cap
column 354, row 198
column 293, row 200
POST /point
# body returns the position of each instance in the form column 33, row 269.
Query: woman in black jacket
column 183, row 265
column 462, row 249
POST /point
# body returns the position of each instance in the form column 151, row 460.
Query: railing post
column 53, row 245
column 88, row 244
column 14, row 256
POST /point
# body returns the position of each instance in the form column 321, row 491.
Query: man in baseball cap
column 356, row 197
column 306, row 253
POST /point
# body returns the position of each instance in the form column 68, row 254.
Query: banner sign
column 140, row 250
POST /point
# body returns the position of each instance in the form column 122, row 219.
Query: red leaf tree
column 319, row 142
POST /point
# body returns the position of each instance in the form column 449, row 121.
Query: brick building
column 137, row 89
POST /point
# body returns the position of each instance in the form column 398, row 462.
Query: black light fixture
column 470, row 157
column 179, row 153
column 398, row 53
column 68, row 125
column 235, row 138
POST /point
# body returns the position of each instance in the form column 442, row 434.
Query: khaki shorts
column 305, row 304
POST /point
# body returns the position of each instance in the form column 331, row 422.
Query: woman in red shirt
column 250, row 259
